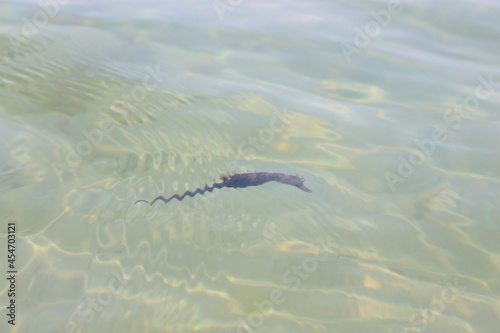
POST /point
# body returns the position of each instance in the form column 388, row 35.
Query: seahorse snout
column 303, row 188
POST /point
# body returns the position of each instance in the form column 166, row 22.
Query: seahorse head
column 294, row 181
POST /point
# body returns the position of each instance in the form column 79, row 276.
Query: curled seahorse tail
column 186, row 194
column 141, row 201
column 199, row 191
column 165, row 200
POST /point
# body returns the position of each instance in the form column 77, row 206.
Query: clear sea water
column 389, row 110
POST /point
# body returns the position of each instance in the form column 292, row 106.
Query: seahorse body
column 240, row 180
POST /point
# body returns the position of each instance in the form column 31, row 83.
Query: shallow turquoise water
column 389, row 113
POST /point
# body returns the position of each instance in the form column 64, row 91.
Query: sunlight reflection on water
column 105, row 105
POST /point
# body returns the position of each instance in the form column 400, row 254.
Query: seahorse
column 240, row 180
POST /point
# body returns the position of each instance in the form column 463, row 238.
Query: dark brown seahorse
column 239, row 181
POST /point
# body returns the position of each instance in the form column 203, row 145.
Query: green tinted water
column 388, row 112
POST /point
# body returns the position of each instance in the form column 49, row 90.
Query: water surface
column 396, row 133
